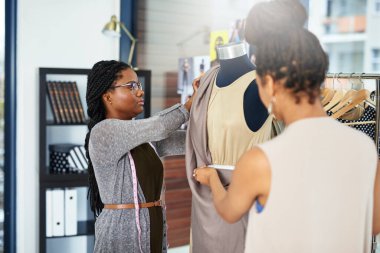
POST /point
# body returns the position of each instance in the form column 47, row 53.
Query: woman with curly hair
column 310, row 189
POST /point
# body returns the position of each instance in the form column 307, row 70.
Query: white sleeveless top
column 321, row 196
column 229, row 136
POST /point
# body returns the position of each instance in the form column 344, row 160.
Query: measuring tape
column 135, row 198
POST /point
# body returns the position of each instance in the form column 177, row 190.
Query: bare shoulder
column 254, row 160
column 254, row 167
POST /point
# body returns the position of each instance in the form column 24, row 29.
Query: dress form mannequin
column 234, row 63
column 219, row 141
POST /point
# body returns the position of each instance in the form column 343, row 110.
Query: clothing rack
column 362, row 76
column 353, row 75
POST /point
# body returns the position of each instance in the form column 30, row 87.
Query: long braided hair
column 285, row 49
column 102, row 75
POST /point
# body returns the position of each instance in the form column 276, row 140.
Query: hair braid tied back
column 102, row 75
column 285, row 49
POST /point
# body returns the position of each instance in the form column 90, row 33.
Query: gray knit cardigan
column 110, row 142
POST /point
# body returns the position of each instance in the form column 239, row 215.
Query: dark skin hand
column 195, row 84
column 251, row 180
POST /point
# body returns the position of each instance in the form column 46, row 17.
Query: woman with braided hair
column 125, row 172
column 310, row 189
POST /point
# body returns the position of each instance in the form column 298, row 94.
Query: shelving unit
column 47, row 133
column 52, row 133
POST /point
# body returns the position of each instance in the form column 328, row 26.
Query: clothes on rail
column 353, row 108
column 369, row 116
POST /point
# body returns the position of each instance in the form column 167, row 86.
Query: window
column 377, row 6
column 376, row 60
column 329, row 8
column 343, row 8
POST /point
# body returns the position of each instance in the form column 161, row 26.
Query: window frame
column 376, row 7
column 375, row 59
column 10, row 63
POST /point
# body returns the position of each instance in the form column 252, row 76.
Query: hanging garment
column 368, row 129
column 368, row 115
column 209, row 232
column 322, row 184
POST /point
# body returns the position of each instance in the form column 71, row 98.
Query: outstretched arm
column 250, row 181
column 124, row 135
column 173, row 145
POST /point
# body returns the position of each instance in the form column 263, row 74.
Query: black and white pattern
column 369, row 129
column 67, row 158
column 368, row 115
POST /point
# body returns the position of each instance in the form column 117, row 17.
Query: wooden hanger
column 328, row 93
column 324, row 92
column 360, row 123
column 347, row 96
column 354, row 114
column 338, row 96
column 328, row 97
column 355, row 100
column 369, row 101
column 343, row 102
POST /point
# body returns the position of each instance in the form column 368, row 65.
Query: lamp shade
column 112, row 28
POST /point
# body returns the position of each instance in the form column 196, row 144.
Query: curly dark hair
column 285, row 49
column 103, row 74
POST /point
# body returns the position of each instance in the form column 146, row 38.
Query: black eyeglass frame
column 132, row 85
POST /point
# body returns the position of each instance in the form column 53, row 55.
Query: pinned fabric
column 209, row 233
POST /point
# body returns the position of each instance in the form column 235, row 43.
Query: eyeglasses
column 132, row 85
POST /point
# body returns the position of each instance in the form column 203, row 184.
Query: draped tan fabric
column 209, row 233
column 229, row 136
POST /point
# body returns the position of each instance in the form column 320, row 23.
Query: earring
column 270, row 106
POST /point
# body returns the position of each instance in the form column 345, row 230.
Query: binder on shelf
column 71, row 223
column 78, row 102
column 58, row 212
column 53, row 103
column 71, row 90
column 64, row 102
column 49, row 213
column 64, row 86
column 59, row 102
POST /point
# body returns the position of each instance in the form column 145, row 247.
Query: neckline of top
column 235, row 81
column 308, row 120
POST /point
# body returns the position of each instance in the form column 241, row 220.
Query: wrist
column 214, row 177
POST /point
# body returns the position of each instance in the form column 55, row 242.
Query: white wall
column 51, row 33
